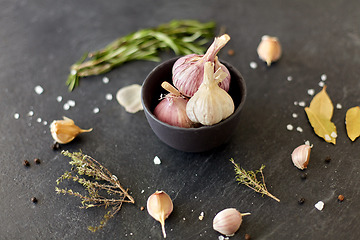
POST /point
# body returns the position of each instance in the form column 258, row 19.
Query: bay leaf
column 323, row 127
column 352, row 119
column 322, row 105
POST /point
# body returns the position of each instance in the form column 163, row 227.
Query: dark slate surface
column 41, row 39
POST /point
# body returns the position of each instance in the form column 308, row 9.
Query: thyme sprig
column 86, row 165
column 182, row 36
column 249, row 179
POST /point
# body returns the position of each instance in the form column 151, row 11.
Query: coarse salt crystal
column 294, row 115
column 296, row 103
column 253, row 65
column 105, row 80
column 311, row 92
column 73, row 72
column 327, row 137
column 157, row 160
column 338, row 106
column 59, row 98
column 31, row 113
column 307, row 142
column 96, row 110
column 333, row 135
column 16, row 116
column 302, row 104
column 39, row 120
column 289, row 78
column 321, row 84
column 299, row 129
column 71, row 103
column 39, row 90
column 323, row 77
column 109, row 96
column 319, row 205
column 45, row 122
column 66, row 106
column 289, row 127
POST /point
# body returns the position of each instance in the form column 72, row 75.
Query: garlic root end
column 163, row 229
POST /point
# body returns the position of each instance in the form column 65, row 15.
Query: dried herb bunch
column 249, row 179
column 182, row 36
column 86, row 165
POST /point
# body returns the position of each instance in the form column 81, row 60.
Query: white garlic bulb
column 228, row 221
column 160, row 206
column 64, row 131
column 301, row 156
column 172, row 108
column 188, row 71
column 210, row 104
column 269, row 49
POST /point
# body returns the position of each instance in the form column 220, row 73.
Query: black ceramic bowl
column 191, row 139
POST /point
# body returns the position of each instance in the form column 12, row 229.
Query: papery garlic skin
column 227, row 221
column 210, row 104
column 130, row 98
column 188, row 71
column 64, row 131
column 269, row 49
column 301, row 156
column 172, row 110
column 160, row 206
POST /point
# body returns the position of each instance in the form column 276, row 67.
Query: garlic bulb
column 130, row 98
column 301, row 155
column 160, row 206
column 228, row 221
column 172, row 109
column 188, row 71
column 210, row 104
column 269, row 49
column 64, row 131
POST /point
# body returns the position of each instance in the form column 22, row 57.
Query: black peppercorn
column 301, row 200
column 26, row 163
column 327, row 159
column 37, row 161
column 247, row 236
column 303, row 176
column 34, row 199
column 55, row 146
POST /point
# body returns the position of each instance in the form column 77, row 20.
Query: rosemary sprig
column 249, row 179
column 182, row 36
column 86, row 165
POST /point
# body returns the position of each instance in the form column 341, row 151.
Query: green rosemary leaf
column 182, row 36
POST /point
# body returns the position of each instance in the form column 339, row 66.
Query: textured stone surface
column 41, row 39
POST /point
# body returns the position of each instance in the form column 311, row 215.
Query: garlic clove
column 210, row 104
column 228, row 221
column 301, row 156
column 64, row 131
column 269, row 49
column 188, row 71
column 172, row 108
column 160, row 206
column 130, row 98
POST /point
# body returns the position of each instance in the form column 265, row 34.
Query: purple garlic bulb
column 172, row 108
column 188, row 71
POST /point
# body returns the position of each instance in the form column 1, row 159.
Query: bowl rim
column 201, row 128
